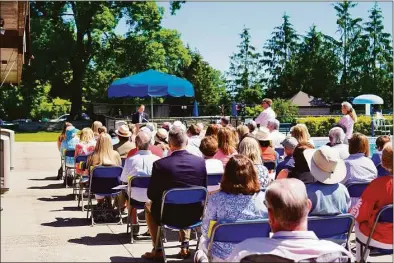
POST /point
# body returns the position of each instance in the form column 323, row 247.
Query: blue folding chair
column 356, row 190
column 82, row 161
column 382, row 171
column 236, row 232
column 137, row 182
column 336, row 228
column 270, row 165
column 385, row 215
column 69, row 154
column 102, row 180
column 180, row 196
column 214, row 179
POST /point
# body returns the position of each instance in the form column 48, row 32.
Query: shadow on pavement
column 53, row 178
column 67, row 208
column 102, row 239
column 68, row 222
column 124, row 259
column 56, row 198
column 49, row 186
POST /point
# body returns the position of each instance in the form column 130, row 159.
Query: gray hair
column 275, row 123
column 177, row 138
column 142, row 140
column 288, row 200
column 336, row 136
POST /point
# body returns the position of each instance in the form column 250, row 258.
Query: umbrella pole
column 151, row 108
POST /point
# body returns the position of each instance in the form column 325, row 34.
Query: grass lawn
column 36, row 136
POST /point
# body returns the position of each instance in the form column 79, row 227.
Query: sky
column 213, row 28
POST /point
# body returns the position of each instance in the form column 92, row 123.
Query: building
column 309, row 105
column 14, row 40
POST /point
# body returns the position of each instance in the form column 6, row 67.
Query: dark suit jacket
column 179, row 170
column 135, row 118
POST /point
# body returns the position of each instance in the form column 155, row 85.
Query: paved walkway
column 41, row 222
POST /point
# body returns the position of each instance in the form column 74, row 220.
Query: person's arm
column 283, row 174
column 260, row 118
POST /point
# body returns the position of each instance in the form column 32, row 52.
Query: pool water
column 322, row 141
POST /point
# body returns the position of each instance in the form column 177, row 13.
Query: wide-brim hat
column 263, row 134
column 161, row 135
column 325, row 164
column 123, row 131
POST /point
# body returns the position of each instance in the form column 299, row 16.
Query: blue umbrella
column 195, row 109
column 368, row 99
column 150, row 83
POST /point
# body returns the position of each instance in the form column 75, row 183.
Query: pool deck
column 41, row 222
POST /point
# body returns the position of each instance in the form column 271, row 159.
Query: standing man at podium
column 140, row 116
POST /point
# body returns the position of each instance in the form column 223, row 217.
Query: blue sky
column 213, row 28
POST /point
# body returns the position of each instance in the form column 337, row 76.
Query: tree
column 278, row 59
column 208, row 83
column 318, row 65
column 244, row 75
column 350, row 30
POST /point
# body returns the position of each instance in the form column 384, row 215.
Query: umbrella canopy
column 150, row 83
column 195, row 109
column 368, row 99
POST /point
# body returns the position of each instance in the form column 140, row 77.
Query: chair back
column 357, row 189
column 337, row 227
column 270, row 165
column 214, row 179
column 70, row 153
column 123, row 161
column 385, row 214
column 82, row 160
column 137, row 189
column 381, row 170
column 238, row 231
column 280, row 151
column 104, row 178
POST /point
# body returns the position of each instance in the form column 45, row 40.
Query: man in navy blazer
column 140, row 116
column 180, row 170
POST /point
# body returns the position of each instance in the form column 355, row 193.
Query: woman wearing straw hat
column 124, row 145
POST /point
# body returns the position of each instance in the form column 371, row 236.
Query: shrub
column 320, row 126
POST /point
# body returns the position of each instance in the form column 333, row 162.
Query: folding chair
column 180, row 196
column 81, row 160
column 102, row 180
column 236, row 232
column 381, row 170
column 141, row 182
column 69, row 154
column 356, row 190
column 270, row 165
column 385, row 215
column 336, row 228
column 213, row 180
column 280, row 151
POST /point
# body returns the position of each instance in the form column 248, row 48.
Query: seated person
column 288, row 207
column 86, row 146
column 138, row 164
column 161, row 140
column 268, row 153
column 252, row 125
column 239, row 198
column 226, row 145
column 289, row 144
column 250, row 148
column 103, row 155
column 179, row 170
column 328, row 196
column 209, row 147
column 360, row 169
column 337, row 138
column 380, row 142
column 194, row 140
column 124, row 145
column 242, row 130
column 378, row 194
column 212, row 130
column 69, row 143
column 156, row 150
column 276, row 136
column 301, row 169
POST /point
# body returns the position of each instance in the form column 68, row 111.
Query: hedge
column 320, row 126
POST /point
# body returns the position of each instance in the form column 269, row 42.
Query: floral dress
column 84, row 148
column 262, row 174
column 230, row 207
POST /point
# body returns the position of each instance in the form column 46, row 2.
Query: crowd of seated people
column 304, row 182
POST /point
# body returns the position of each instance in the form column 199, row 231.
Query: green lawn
column 37, row 137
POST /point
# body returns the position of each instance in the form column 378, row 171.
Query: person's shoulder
column 382, row 181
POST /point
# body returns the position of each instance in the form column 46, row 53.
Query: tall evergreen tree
column 350, row 30
column 244, row 75
column 278, row 59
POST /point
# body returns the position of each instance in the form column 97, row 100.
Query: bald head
column 288, row 205
column 142, row 140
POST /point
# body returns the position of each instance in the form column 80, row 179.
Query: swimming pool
column 323, row 140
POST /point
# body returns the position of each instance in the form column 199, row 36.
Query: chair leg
column 164, row 235
column 88, row 208
column 65, row 178
column 164, row 253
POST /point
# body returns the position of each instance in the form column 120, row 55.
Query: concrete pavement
column 41, row 222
